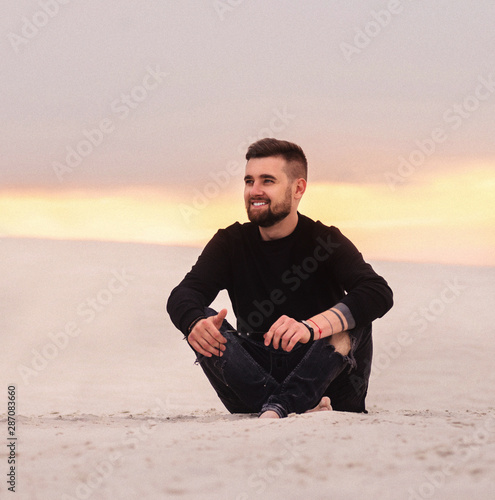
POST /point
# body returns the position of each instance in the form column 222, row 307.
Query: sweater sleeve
column 201, row 284
column 368, row 295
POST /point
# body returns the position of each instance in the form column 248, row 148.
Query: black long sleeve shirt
column 301, row 275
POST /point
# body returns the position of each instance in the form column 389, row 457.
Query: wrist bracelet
column 192, row 325
column 319, row 329
column 311, row 331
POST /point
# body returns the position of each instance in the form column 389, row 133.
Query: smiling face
column 268, row 193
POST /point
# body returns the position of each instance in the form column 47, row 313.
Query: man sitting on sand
column 303, row 297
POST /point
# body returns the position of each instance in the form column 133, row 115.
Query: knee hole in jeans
column 341, row 342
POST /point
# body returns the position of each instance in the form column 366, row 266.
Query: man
column 303, row 297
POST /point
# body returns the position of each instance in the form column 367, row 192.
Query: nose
column 256, row 189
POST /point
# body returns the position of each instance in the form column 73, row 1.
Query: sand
column 109, row 403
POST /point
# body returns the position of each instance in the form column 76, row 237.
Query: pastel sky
column 129, row 120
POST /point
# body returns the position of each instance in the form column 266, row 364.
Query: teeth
column 259, row 203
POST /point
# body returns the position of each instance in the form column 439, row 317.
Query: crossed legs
column 245, row 383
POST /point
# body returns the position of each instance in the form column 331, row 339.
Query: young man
column 303, row 297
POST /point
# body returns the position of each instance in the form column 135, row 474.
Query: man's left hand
column 286, row 332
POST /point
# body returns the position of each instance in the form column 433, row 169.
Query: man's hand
column 205, row 336
column 286, row 332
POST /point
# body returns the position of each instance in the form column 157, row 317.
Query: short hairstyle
column 297, row 165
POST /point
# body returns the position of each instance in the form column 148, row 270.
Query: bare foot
column 323, row 405
column 269, row 414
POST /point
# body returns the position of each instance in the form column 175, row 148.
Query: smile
column 259, row 203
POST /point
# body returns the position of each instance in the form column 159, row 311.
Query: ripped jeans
column 252, row 378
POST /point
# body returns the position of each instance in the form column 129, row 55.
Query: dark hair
column 297, row 165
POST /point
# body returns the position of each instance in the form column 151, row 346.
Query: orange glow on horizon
column 443, row 218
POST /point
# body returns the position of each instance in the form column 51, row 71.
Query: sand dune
column 110, row 404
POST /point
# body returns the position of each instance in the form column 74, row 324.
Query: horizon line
column 200, row 246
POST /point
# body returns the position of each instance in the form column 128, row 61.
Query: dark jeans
column 252, row 378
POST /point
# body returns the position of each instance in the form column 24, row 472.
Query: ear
column 300, row 188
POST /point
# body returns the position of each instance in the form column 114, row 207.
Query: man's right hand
column 205, row 337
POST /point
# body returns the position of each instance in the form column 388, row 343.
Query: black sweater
column 301, row 275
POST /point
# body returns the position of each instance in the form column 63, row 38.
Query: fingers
column 286, row 333
column 218, row 319
column 206, row 339
column 205, row 343
column 271, row 335
column 297, row 337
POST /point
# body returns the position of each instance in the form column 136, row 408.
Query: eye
column 268, row 181
column 248, row 182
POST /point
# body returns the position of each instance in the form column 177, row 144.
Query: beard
column 270, row 215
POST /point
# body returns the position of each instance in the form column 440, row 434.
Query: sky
column 129, row 121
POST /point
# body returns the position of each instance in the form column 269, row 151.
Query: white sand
column 120, row 410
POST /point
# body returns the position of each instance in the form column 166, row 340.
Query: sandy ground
column 110, row 405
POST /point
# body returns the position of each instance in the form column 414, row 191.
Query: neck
column 281, row 229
